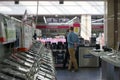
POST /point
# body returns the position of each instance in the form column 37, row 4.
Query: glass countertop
column 110, row 57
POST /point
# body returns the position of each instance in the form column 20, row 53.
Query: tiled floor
column 82, row 74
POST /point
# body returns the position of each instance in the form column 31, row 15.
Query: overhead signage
column 57, row 20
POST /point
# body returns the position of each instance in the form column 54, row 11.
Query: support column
column 86, row 26
column 105, row 21
column 116, row 24
column 111, row 23
column 118, row 21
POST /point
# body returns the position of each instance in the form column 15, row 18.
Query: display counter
column 97, row 53
column 111, row 57
column 86, row 59
column 110, row 61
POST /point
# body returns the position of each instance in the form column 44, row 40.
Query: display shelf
column 60, row 50
column 7, row 42
column 34, row 64
column 59, row 55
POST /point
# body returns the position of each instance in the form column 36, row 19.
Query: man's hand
column 75, row 45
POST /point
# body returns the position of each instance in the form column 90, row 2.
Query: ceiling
column 51, row 0
column 52, row 7
column 69, row 9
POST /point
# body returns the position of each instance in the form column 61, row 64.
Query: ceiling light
column 16, row 1
column 61, row 2
column 5, row 9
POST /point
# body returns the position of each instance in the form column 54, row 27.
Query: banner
column 76, row 26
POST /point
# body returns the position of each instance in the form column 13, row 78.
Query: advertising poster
column 76, row 27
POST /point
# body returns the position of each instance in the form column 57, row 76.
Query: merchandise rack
column 58, row 51
column 34, row 64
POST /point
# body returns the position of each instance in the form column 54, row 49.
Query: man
column 72, row 40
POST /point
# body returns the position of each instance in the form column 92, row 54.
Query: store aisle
column 82, row 74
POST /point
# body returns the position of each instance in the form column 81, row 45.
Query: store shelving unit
column 21, row 57
column 34, row 64
column 58, row 51
column 59, row 55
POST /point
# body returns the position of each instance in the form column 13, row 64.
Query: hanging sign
column 76, row 26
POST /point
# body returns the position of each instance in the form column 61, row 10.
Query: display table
column 110, row 60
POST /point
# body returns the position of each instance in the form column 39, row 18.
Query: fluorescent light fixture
column 5, row 9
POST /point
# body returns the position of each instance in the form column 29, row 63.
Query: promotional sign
column 7, row 29
column 2, row 29
column 10, row 31
column 27, row 37
column 76, row 26
column 2, row 32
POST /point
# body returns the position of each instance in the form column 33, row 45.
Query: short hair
column 71, row 28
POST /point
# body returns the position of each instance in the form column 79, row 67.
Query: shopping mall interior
column 33, row 44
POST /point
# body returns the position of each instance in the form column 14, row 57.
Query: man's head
column 71, row 28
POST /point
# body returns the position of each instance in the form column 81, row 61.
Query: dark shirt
column 35, row 36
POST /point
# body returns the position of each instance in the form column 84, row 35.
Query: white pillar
column 86, row 26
